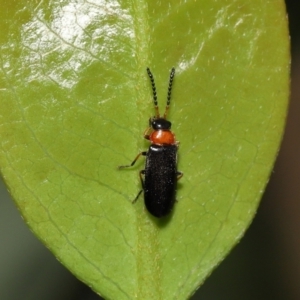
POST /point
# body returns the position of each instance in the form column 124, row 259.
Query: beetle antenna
column 172, row 73
column 154, row 92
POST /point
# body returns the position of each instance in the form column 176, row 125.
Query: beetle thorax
column 162, row 137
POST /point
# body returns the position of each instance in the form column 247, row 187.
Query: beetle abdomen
column 160, row 179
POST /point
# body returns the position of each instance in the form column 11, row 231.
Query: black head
column 160, row 124
column 157, row 120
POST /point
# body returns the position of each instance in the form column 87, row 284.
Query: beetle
column 160, row 173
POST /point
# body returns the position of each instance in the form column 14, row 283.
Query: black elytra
column 159, row 178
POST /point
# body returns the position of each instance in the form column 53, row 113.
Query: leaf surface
column 75, row 100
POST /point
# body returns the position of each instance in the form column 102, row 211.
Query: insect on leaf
column 76, row 99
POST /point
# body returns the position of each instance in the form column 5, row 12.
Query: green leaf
column 75, row 100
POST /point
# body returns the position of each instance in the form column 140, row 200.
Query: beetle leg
column 142, row 172
column 144, row 153
column 147, row 133
column 179, row 175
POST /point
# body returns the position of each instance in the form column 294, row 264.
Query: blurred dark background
column 264, row 265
